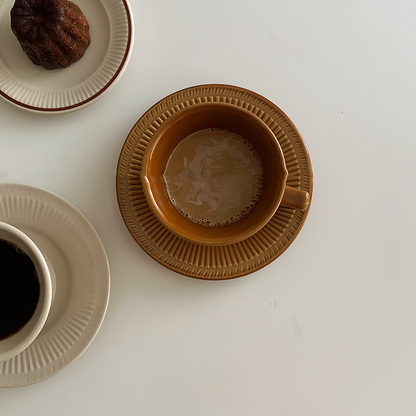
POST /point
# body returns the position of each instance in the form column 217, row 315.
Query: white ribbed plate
column 62, row 90
column 73, row 247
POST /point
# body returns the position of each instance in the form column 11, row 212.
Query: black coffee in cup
column 19, row 289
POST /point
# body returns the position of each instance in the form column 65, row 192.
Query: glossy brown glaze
column 206, row 261
column 241, row 122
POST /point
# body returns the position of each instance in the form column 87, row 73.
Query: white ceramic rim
column 46, row 285
column 71, row 331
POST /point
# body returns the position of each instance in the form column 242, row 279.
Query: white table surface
column 329, row 327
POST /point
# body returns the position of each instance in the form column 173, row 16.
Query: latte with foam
column 214, row 177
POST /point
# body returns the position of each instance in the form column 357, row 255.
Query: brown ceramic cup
column 225, row 116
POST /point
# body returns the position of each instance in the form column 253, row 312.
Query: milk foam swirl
column 214, row 177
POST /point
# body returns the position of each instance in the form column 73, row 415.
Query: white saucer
column 73, row 247
column 34, row 88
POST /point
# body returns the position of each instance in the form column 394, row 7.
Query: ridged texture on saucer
column 199, row 261
column 73, row 247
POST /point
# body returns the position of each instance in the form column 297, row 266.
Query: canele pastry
column 53, row 33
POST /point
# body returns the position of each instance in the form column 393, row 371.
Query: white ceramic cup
column 16, row 343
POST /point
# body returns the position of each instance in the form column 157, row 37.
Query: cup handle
column 295, row 198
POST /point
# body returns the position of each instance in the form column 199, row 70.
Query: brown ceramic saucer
column 195, row 260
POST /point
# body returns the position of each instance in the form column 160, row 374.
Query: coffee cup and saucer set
column 214, row 182
column 66, row 279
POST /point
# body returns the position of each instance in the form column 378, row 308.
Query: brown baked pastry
column 53, row 33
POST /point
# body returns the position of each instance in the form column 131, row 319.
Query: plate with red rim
column 34, row 88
